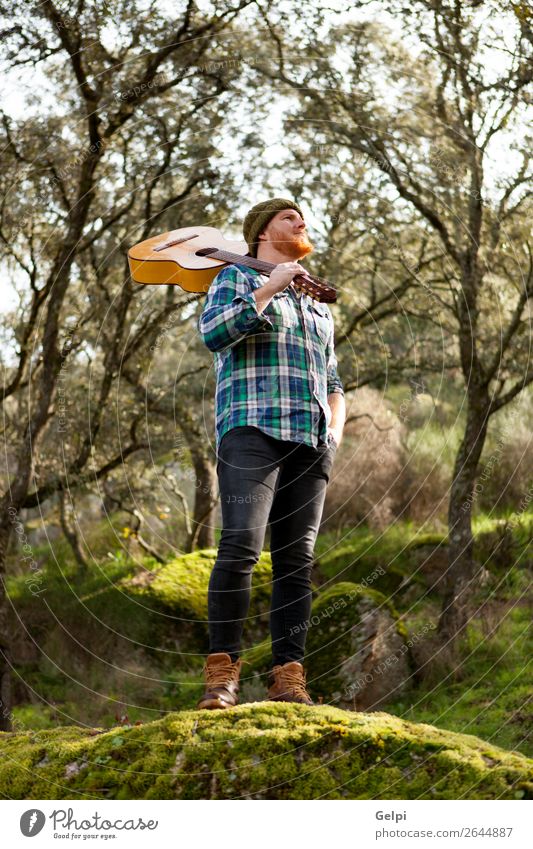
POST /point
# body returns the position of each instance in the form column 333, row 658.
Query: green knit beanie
column 258, row 217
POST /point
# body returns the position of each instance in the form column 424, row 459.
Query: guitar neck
column 249, row 261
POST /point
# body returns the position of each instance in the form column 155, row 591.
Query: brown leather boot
column 221, row 682
column 287, row 684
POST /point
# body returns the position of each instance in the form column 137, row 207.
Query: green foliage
column 432, row 445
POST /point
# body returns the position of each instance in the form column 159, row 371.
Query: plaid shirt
column 274, row 369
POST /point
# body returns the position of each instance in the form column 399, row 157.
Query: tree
column 125, row 143
column 421, row 124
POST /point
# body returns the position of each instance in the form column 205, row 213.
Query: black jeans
column 265, row 480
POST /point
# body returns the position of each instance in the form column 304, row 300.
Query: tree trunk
column 38, row 415
column 461, row 568
column 203, row 530
column 67, row 518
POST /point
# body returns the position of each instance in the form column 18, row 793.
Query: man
column 279, row 418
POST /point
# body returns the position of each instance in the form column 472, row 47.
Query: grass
column 488, row 689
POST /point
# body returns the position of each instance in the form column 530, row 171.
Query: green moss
column 401, row 556
column 181, row 584
column 270, row 751
column 382, row 561
column 179, row 589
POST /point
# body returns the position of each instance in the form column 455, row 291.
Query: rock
column 157, row 609
column 356, row 651
column 368, row 571
column 279, row 751
column 180, row 586
column 73, row 769
column 357, row 654
column 389, row 565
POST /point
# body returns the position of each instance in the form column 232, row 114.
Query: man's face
column 286, row 231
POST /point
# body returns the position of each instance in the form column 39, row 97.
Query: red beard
column 295, row 247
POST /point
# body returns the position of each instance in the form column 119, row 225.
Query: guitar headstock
column 317, row 289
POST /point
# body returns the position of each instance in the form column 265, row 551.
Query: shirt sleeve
column 230, row 311
column 333, row 380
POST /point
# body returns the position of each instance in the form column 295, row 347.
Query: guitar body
column 192, row 257
column 156, row 261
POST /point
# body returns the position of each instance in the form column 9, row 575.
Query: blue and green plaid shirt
column 274, row 369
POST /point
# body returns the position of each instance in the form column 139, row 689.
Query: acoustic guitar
column 192, row 257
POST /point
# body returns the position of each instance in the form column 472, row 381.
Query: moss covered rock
column 356, row 650
column 262, row 751
column 179, row 588
column 350, row 560
column 389, row 562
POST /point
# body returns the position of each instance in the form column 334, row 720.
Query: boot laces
column 221, row 674
column 295, row 680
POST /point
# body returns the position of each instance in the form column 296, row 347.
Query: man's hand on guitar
column 283, row 274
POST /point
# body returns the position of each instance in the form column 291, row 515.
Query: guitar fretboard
column 227, row 256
